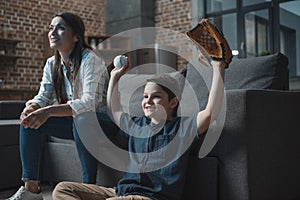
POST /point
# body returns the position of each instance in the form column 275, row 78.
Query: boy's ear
column 174, row 102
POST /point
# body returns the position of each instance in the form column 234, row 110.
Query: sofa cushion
column 11, row 109
column 10, row 172
column 55, row 167
column 266, row 72
column 9, row 134
column 197, row 81
column 202, row 178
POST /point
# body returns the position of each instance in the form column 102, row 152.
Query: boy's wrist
column 219, row 64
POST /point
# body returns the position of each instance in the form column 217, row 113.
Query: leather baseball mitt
column 208, row 37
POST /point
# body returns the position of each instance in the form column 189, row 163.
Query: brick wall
column 29, row 20
column 174, row 15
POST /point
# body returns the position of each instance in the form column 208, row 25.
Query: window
column 258, row 27
column 257, row 31
column 228, row 25
column 253, row 2
column 289, row 29
column 220, row 5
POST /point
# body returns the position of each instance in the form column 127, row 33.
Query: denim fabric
column 166, row 182
column 62, row 127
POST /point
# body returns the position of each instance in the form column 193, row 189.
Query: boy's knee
column 61, row 190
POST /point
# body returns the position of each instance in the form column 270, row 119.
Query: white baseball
column 120, row 61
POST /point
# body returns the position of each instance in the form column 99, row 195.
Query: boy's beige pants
column 79, row 191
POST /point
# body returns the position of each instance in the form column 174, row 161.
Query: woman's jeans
column 62, row 127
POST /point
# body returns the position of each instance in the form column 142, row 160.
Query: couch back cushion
column 266, row 72
column 11, row 109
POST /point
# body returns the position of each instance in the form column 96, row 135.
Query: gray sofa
column 10, row 167
column 256, row 156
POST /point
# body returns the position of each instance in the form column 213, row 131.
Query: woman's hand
column 35, row 118
column 29, row 109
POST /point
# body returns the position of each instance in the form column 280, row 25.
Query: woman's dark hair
column 78, row 29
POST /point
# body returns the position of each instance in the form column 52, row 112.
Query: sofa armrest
column 10, row 169
column 273, row 144
column 11, row 109
column 259, row 145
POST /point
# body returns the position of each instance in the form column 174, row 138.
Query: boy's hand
column 117, row 73
column 112, row 98
column 210, row 41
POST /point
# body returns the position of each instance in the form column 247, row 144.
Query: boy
column 156, row 177
column 159, row 105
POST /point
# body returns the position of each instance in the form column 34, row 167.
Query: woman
column 74, row 81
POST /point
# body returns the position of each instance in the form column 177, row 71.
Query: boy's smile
column 156, row 104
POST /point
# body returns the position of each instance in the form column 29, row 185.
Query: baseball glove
column 209, row 38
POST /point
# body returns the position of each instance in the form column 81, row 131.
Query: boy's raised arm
column 207, row 37
column 214, row 104
column 113, row 99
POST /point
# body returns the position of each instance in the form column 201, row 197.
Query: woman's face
column 61, row 36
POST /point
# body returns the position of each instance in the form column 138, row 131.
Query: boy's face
column 156, row 104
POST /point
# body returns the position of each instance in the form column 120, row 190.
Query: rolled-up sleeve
column 46, row 95
column 89, row 86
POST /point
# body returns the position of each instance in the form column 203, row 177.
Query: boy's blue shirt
column 163, row 183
